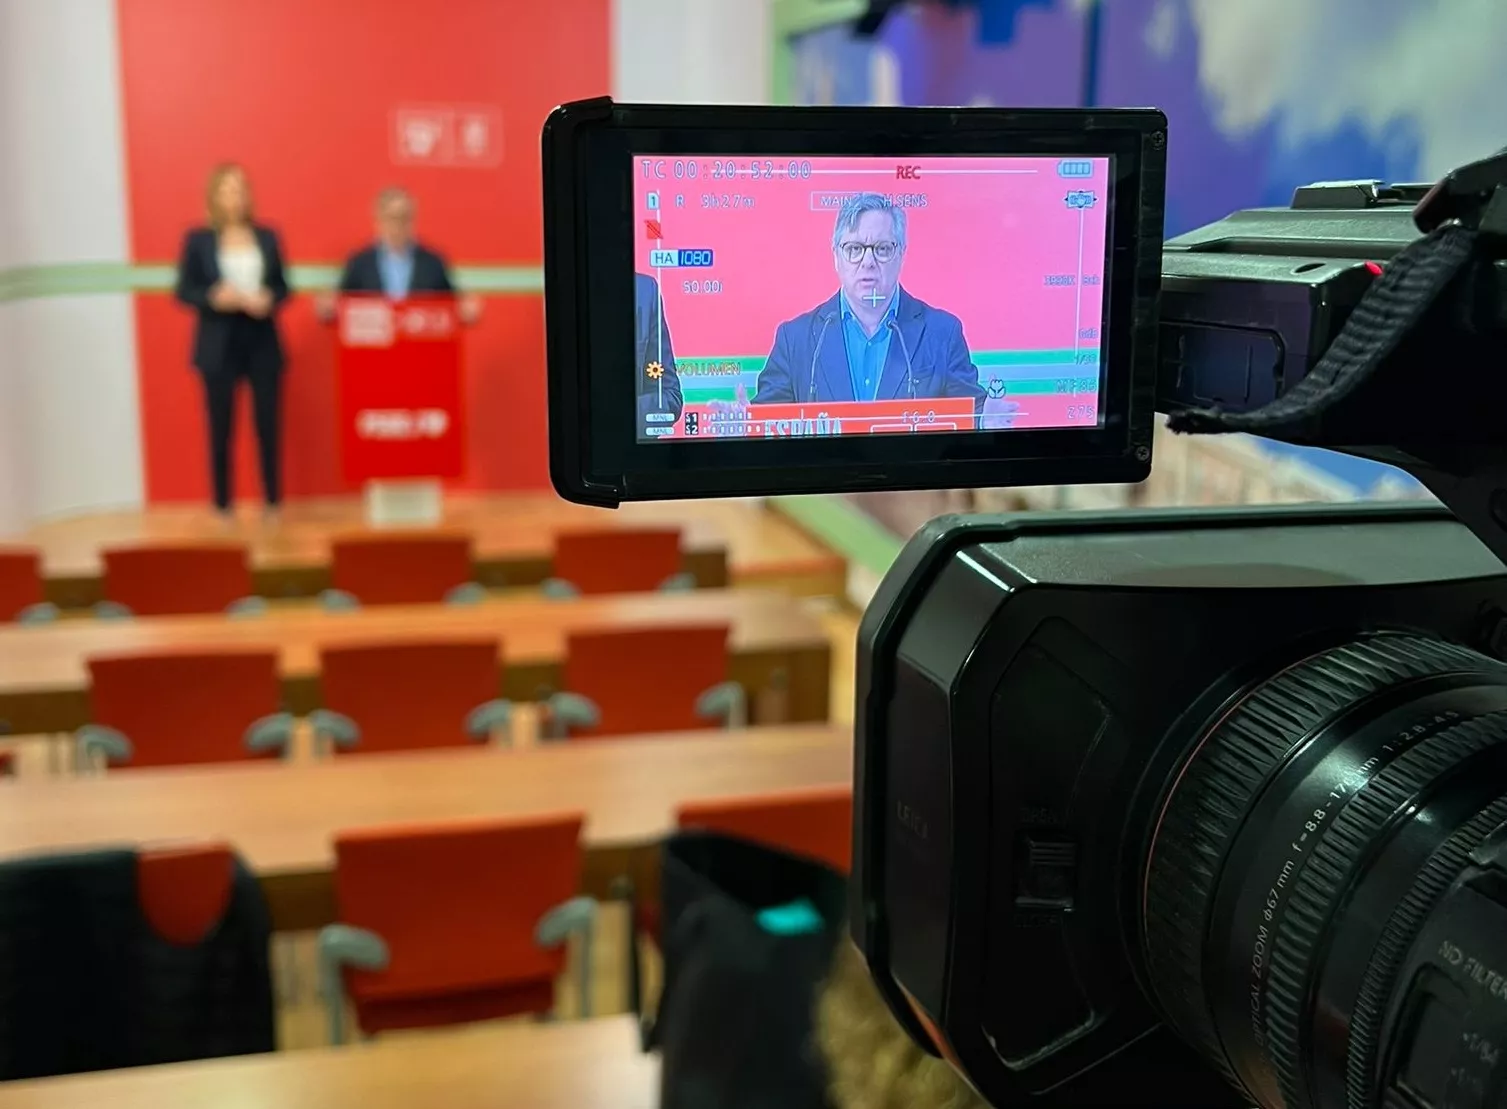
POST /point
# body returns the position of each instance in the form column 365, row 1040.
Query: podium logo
column 367, row 324
column 419, row 322
column 402, row 424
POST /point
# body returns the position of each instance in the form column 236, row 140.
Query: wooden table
column 282, row 817
column 592, row 1064
column 780, row 652
column 513, row 535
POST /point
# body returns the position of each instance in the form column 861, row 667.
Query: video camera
column 1151, row 808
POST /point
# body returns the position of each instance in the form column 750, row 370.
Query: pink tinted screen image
column 784, row 296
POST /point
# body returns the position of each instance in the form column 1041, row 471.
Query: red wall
column 303, row 92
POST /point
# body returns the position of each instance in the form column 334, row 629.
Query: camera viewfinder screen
column 801, row 296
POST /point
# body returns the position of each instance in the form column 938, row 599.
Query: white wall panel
column 692, row 51
column 70, row 428
column 79, row 392
column 64, row 154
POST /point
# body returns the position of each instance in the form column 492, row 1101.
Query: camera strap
column 1409, row 286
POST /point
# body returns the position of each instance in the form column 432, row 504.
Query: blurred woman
column 871, row 1062
column 231, row 272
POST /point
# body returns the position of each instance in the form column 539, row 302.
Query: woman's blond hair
column 871, row 1062
column 212, row 187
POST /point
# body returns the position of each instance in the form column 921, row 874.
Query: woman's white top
column 242, row 268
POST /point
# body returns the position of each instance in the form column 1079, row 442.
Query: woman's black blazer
column 219, row 336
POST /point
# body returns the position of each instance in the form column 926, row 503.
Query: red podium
column 402, row 415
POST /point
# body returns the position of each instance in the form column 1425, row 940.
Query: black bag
column 742, row 972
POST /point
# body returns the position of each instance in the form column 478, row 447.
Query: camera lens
column 1299, row 848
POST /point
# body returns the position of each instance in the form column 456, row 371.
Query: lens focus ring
column 1392, row 948
column 1357, row 830
column 1209, row 803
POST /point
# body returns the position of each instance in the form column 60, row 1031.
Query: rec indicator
column 668, row 258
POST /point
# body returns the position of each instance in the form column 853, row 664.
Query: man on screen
column 872, row 340
column 654, row 358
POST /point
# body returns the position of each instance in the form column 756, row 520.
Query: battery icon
column 1075, row 169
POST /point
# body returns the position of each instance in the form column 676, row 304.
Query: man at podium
column 396, row 264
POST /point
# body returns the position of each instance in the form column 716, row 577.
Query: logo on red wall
column 458, row 135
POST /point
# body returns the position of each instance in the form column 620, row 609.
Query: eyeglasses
column 883, row 252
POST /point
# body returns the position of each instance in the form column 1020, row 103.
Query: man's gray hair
column 391, row 193
column 855, row 206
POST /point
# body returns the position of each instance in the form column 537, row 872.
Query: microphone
column 910, row 373
column 827, row 318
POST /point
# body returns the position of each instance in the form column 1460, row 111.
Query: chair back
column 407, row 696
column 400, row 569
column 646, row 679
column 185, row 890
column 117, row 958
column 457, row 905
column 177, row 580
column 20, row 581
column 179, row 708
column 617, row 560
column 813, row 823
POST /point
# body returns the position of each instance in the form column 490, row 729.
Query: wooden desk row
column 514, row 537
column 282, row 818
column 780, row 653
column 594, row 1064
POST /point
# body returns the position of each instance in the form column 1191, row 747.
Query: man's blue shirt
column 866, row 355
column 396, row 268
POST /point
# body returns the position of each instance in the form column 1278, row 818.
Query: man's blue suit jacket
column 939, row 358
column 651, row 343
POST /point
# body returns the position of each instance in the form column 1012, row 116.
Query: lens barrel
column 1299, row 849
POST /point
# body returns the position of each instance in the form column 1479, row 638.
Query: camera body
column 1196, row 808
column 1029, row 689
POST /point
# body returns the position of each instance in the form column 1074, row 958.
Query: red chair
column 815, row 823
column 185, row 890
column 21, row 597
column 182, row 708
column 617, row 560
column 155, row 580
column 408, row 696
column 451, row 923
column 662, row 679
column 7, row 764
column 401, row 570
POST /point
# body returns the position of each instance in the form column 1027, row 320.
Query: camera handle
column 1464, row 220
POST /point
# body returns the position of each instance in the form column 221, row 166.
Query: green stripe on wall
column 92, row 278
column 844, row 527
